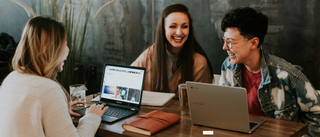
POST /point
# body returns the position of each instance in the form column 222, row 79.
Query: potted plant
column 76, row 27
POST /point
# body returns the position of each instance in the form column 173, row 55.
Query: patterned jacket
column 284, row 92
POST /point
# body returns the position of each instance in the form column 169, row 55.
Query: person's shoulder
column 144, row 57
column 199, row 59
column 280, row 63
column 32, row 83
column 39, row 81
column 149, row 50
column 28, row 79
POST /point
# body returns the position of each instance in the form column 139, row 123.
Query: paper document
column 150, row 98
column 97, row 98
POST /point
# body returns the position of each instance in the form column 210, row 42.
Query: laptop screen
column 122, row 84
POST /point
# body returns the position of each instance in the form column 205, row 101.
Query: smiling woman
column 177, row 31
column 44, row 103
column 176, row 56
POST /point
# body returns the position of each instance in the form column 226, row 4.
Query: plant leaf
column 58, row 1
column 82, row 7
column 63, row 10
column 105, row 5
column 25, row 7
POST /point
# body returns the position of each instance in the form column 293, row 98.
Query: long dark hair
column 185, row 57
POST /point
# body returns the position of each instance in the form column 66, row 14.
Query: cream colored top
column 201, row 70
column 34, row 106
column 170, row 60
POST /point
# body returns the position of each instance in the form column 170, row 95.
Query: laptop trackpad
column 108, row 118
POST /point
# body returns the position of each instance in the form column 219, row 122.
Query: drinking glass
column 78, row 93
column 183, row 98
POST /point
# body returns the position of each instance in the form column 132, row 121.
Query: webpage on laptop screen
column 123, row 84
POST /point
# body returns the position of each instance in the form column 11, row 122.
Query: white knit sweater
column 34, row 106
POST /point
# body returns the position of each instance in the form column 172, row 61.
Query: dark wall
column 293, row 32
column 119, row 35
column 126, row 28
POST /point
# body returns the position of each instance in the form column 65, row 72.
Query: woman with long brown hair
column 33, row 101
column 176, row 56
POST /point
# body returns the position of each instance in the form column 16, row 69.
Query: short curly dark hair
column 249, row 22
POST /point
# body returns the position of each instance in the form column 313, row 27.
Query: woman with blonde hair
column 33, row 101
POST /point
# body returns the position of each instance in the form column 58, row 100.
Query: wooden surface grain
column 272, row 127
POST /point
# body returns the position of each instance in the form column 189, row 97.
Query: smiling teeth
column 177, row 38
column 231, row 54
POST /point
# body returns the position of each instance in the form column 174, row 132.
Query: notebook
column 220, row 107
column 121, row 91
column 158, row 99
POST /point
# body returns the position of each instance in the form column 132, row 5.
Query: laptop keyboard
column 116, row 112
column 111, row 111
column 252, row 124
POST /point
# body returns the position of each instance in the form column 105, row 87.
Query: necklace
column 253, row 75
column 254, row 72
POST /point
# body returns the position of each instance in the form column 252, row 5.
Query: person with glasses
column 275, row 88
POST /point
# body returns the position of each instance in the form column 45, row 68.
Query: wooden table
column 272, row 127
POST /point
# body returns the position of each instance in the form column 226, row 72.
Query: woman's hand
column 71, row 109
column 97, row 109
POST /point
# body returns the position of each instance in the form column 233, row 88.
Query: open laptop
column 220, row 107
column 121, row 90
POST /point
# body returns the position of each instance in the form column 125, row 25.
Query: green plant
column 75, row 29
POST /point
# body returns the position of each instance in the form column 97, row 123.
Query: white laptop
column 220, row 107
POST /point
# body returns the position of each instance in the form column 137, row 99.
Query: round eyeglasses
column 230, row 43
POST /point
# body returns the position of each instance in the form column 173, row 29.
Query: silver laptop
column 220, row 107
column 121, row 90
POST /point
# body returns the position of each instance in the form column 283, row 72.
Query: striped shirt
column 34, row 106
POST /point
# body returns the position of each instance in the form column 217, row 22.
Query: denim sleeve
column 223, row 75
column 308, row 99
